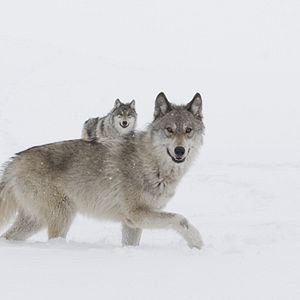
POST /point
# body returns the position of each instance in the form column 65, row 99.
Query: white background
column 64, row 61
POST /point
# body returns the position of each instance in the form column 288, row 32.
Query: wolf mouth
column 177, row 160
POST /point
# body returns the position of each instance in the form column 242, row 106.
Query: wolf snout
column 124, row 124
column 179, row 152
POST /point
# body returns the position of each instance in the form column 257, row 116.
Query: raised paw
column 196, row 244
column 193, row 237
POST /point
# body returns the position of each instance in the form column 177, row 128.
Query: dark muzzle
column 179, row 152
column 124, row 124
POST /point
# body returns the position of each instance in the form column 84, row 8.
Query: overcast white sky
column 64, row 61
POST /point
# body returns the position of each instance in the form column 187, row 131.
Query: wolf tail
column 8, row 205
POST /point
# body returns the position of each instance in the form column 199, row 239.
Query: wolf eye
column 188, row 130
column 169, row 129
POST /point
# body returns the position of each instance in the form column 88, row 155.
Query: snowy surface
column 64, row 61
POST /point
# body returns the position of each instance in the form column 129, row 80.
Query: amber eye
column 188, row 130
column 169, row 129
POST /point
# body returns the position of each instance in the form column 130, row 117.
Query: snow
column 64, row 61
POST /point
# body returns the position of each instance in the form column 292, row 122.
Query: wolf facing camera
column 128, row 180
column 120, row 121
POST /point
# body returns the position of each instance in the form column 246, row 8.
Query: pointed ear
column 162, row 106
column 195, row 106
column 132, row 104
column 117, row 103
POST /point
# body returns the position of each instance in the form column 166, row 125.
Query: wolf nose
column 179, row 151
column 124, row 123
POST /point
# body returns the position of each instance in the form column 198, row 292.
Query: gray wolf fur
column 120, row 121
column 128, row 180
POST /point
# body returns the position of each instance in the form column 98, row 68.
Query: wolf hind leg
column 23, row 228
column 60, row 217
column 130, row 236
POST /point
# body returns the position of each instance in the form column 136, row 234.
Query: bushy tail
column 8, row 205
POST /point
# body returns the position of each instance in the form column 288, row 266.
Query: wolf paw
column 193, row 238
column 198, row 244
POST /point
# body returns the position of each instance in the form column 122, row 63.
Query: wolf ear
column 132, row 104
column 195, row 106
column 162, row 106
column 117, row 103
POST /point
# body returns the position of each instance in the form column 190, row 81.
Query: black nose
column 124, row 123
column 179, row 151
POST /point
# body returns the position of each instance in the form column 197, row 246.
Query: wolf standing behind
column 128, row 180
column 120, row 121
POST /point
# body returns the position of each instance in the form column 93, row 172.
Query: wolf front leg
column 130, row 236
column 142, row 218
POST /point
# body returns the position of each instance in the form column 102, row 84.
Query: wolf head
column 177, row 130
column 124, row 116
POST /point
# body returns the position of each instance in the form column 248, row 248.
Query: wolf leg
column 24, row 227
column 130, row 236
column 60, row 218
column 142, row 218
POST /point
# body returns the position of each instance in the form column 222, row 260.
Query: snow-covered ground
column 64, row 61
